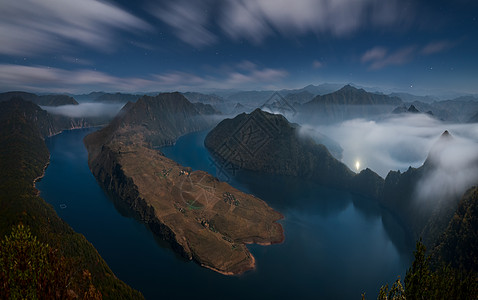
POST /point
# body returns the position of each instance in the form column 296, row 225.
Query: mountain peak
column 348, row 87
column 413, row 109
column 446, row 135
column 438, row 148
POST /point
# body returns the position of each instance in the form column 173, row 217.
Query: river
column 337, row 245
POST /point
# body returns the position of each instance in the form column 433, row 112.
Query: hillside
column 43, row 100
column 203, row 219
column 458, row 245
column 23, row 158
column 268, row 143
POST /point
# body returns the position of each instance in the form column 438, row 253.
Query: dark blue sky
column 140, row 46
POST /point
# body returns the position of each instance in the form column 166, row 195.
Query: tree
column 418, row 278
column 397, row 292
column 422, row 282
column 30, row 269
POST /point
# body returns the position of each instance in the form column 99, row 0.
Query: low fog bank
column 455, row 168
column 397, row 142
column 86, row 110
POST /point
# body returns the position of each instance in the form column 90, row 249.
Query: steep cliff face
column 203, row 219
column 110, row 174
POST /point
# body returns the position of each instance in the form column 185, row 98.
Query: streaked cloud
column 383, row 59
column 436, row 47
column 189, row 19
column 255, row 20
column 380, row 57
column 374, row 54
column 31, row 27
column 46, row 79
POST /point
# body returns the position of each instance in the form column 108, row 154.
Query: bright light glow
column 357, row 165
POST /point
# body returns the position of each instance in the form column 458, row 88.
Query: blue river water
column 337, row 245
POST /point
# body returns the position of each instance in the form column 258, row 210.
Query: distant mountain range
column 347, row 103
column 327, row 101
column 107, row 97
column 42, row 100
column 410, row 110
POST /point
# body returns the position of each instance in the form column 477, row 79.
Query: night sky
column 421, row 47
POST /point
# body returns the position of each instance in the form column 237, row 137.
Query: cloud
column 380, row 58
column 374, row 54
column 246, row 65
column 188, row 19
column 456, row 170
column 178, row 79
column 255, row 76
column 244, row 19
column 84, row 110
column 436, row 47
column 30, row 27
column 394, row 143
column 46, row 79
column 245, row 74
column 257, row 19
column 317, row 64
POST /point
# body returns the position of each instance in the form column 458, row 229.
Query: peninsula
column 205, row 220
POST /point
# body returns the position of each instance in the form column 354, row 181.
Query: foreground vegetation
column 30, row 269
column 423, row 281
